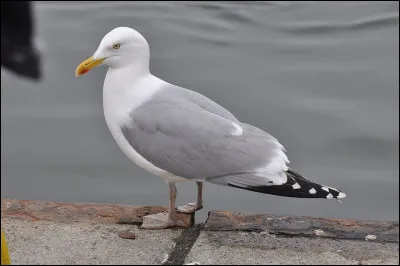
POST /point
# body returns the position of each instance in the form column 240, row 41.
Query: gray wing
column 178, row 95
column 208, row 104
column 213, row 107
column 193, row 143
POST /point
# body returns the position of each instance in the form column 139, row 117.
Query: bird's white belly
column 139, row 160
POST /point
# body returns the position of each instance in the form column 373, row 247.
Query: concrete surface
column 48, row 242
column 65, row 233
column 243, row 248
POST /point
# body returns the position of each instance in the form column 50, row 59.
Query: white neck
column 127, row 75
column 123, row 90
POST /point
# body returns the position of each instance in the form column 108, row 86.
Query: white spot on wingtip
column 239, row 130
column 329, row 196
column 341, row 195
column 296, row 186
column 325, row 188
column 333, row 189
column 312, row 191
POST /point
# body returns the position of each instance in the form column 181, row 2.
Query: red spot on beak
column 84, row 71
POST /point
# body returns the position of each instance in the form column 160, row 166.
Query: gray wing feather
column 194, row 143
column 208, row 104
column 178, row 95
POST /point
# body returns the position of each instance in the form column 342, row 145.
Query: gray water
column 322, row 77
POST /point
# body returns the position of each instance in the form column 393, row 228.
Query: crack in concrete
column 184, row 244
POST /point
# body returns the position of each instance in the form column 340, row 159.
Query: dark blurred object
column 18, row 53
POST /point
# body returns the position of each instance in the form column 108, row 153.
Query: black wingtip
column 297, row 186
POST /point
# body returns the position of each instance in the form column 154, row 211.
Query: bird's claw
column 159, row 221
column 190, row 208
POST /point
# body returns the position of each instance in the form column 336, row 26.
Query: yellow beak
column 87, row 65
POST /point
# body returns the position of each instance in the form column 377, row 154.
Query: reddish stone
column 82, row 212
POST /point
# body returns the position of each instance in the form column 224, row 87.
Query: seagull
column 181, row 135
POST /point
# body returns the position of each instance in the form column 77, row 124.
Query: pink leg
column 162, row 220
column 192, row 207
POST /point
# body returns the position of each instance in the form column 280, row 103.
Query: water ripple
column 327, row 27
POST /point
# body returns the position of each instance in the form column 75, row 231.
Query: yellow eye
column 116, row 46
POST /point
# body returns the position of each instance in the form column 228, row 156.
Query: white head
column 121, row 47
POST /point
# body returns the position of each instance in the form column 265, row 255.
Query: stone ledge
column 40, row 232
column 376, row 231
column 81, row 212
